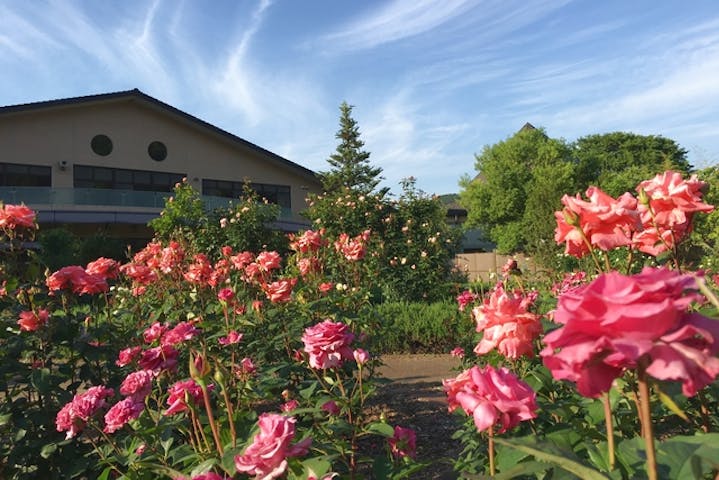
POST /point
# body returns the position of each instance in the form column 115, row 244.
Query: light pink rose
column 280, row 291
column 268, row 261
column 266, row 457
column 465, row 298
column 181, row 332
column 13, row 216
column 154, row 332
column 494, row 397
column 612, row 323
column 328, row 344
column 605, row 222
column 506, row 324
column 231, row 338
column 361, row 356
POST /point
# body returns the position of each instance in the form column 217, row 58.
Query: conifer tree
column 350, row 164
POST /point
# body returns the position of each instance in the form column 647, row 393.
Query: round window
column 157, row 151
column 101, row 145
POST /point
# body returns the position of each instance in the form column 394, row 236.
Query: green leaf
column 48, row 450
column 670, row 403
column 380, row 428
column 105, row 474
column 204, row 467
column 5, row 419
column 549, row 453
column 689, row 457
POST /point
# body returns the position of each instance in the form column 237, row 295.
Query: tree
column 350, row 164
column 518, row 187
column 616, row 162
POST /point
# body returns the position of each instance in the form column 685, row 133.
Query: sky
column 432, row 82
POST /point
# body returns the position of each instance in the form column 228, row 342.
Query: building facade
column 110, row 161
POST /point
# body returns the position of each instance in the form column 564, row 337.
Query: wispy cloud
column 395, row 21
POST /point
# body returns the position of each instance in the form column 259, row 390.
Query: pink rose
column 266, row 457
column 31, row 321
column 159, row 358
column 612, row 323
column 181, row 332
column 154, row 332
column 327, row 344
column 289, row 405
column 492, row 396
column 506, row 324
column 403, row 443
column 137, row 384
column 127, row 356
column 106, row 268
column 231, row 338
column 225, row 295
column 361, row 356
column 121, row 413
column 73, row 417
column 268, row 261
column 331, row 407
column 280, row 291
column 200, row 271
column 325, row 287
column 309, row 241
column 603, row 222
column 245, row 369
column 13, row 216
column 457, row 352
column 464, row 299
column 178, row 392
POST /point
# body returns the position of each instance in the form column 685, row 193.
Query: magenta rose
column 73, row 417
column 493, row 396
column 266, row 457
column 328, row 344
column 613, row 322
column 138, row 384
column 403, row 443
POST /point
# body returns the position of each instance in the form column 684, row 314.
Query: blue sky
column 432, row 82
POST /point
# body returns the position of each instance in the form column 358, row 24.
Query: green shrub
column 416, row 327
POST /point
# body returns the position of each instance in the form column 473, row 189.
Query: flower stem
column 610, row 429
column 491, row 451
column 646, row 420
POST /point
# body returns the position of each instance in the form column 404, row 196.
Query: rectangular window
column 279, row 194
column 85, row 176
column 18, row 175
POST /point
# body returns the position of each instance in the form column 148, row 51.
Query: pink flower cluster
column 494, row 397
column 353, row 249
column 506, row 323
column 73, row 417
column 328, row 344
column 618, row 322
column 653, row 225
column 14, row 216
column 309, row 242
column 89, row 280
column 266, row 457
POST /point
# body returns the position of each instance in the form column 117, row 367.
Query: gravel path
column 414, row 398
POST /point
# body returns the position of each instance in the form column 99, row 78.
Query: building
column 109, row 161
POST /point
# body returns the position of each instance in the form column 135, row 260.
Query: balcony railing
column 54, row 198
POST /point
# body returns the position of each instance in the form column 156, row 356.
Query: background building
column 109, row 161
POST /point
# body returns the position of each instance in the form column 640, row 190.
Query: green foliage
column 350, row 164
column 420, row 327
column 616, row 162
column 705, row 237
column 245, row 224
column 519, row 185
column 58, row 247
column 100, row 245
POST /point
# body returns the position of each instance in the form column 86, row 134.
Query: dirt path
column 414, row 398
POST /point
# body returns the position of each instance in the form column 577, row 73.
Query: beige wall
column 55, row 134
column 487, row 266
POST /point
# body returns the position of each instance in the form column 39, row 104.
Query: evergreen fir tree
column 350, row 164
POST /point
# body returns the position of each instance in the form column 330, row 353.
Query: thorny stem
column 211, row 418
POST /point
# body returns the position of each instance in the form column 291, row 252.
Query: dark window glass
column 123, row 179
column 18, row 175
column 101, row 145
column 157, row 151
column 279, row 194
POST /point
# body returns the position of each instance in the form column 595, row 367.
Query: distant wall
column 487, row 265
